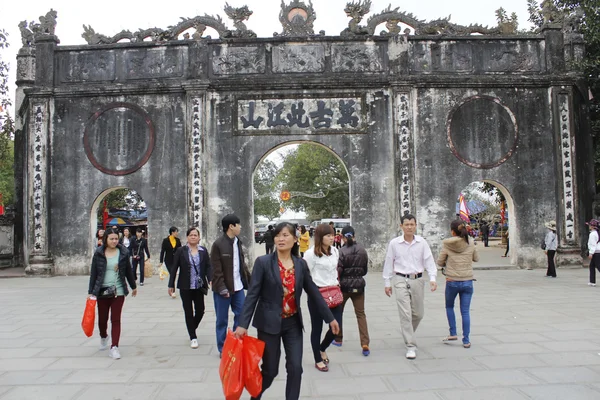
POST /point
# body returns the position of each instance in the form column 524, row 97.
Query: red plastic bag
column 230, row 369
column 252, row 354
column 89, row 315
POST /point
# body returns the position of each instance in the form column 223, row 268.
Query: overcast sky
column 109, row 17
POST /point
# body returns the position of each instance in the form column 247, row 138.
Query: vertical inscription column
column 40, row 261
column 196, row 145
column 403, row 150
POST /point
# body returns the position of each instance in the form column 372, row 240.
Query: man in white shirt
column 406, row 259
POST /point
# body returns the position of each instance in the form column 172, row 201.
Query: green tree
column 586, row 15
column 124, row 199
column 7, row 131
column 266, row 191
column 317, row 180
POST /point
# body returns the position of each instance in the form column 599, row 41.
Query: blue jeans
column 464, row 290
column 236, row 301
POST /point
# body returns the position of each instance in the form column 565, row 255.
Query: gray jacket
column 551, row 242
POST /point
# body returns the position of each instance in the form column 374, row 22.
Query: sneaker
column 114, row 353
column 104, row 343
column 141, row 283
column 194, row 344
column 366, row 351
column 173, row 296
column 336, row 343
column 411, row 354
column 591, row 284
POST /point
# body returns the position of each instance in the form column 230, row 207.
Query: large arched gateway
column 413, row 117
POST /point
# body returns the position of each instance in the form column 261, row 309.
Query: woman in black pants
column 193, row 281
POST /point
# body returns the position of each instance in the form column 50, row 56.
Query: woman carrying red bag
column 110, row 269
column 273, row 300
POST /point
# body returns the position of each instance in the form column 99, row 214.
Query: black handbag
column 543, row 246
column 108, row 292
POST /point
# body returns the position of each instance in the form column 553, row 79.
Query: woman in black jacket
column 273, row 299
column 110, row 268
column 139, row 249
column 353, row 265
column 194, row 278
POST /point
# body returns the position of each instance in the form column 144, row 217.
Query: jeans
column 134, row 265
column 316, row 320
column 236, row 301
column 464, row 290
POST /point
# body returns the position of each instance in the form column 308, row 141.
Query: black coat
column 264, row 299
column 139, row 247
column 167, row 252
column 99, row 269
column 182, row 261
column 353, row 265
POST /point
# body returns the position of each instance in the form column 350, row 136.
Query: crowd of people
column 269, row 296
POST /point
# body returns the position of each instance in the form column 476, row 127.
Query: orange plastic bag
column 89, row 316
column 252, row 354
column 230, row 369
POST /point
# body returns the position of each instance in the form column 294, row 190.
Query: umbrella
column 116, row 221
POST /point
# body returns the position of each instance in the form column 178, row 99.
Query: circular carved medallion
column 119, row 139
column 482, row 132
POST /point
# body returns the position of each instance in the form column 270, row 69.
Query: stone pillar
column 555, row 58
column 38, row 176
column 45, row 45
column 568, row 229
column 195, row 150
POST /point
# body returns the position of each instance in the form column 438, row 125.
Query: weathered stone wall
column 413, row 118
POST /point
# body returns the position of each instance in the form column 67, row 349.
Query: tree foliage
column 266, row 191
column 318, row 182
column 123, row 199
column 7, row 131
column 586, row 14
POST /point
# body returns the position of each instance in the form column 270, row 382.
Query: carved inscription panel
column 298, row 58
column 119, row 139
column 87, row 66
column 228, row 60
column 154, row 63
column 313, row 115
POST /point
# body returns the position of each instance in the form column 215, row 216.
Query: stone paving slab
column 533, row 338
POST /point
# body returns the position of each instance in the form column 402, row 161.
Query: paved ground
column 533, row 338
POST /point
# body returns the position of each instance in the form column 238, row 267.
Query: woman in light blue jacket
column 551, row 245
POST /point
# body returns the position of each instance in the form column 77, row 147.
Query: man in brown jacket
column 230, row 276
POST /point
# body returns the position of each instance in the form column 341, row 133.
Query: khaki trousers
column 411, row 306
column 358, row 301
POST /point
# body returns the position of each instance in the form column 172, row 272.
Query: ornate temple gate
column 415, row 117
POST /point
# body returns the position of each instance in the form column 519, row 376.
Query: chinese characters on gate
column 309, row 114
column 567, row 169
column 37, row 177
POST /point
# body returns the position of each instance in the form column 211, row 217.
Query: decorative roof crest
column 297, row 18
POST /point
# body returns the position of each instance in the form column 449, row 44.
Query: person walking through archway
column 110, row 272
column 169, row 246
column 593, row 250
column 322, row 259
column 273, row 300
column 139, row 249
column 456, row 258
column 485, row 233
column 551, row 244
column 353, row 265
column 194, row 262
column 407, row 257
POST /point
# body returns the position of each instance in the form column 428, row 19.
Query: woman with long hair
column 353, row 265
column 99, row 237
column 273, row 300
column 304, row 240
column 593, row 250
column 456, row 259
column 110, row 270
column 322, row 260
column 193, row 281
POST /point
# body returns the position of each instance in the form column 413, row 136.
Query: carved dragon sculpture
column 238, row 16
column 356, row 11
column 30, row 31
column 91, row 37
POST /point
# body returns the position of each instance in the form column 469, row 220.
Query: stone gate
column 415, row 116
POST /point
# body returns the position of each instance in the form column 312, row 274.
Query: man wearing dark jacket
column 139, row 250
column 230, row 276
column 268, row 240
column 485, row 232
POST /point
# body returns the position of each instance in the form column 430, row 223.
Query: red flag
column 463, row 210
column 104, row 215
column 503, row 211
column 1, row 205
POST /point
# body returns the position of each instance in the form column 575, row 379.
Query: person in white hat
column 550, row 248
column 593, row 250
